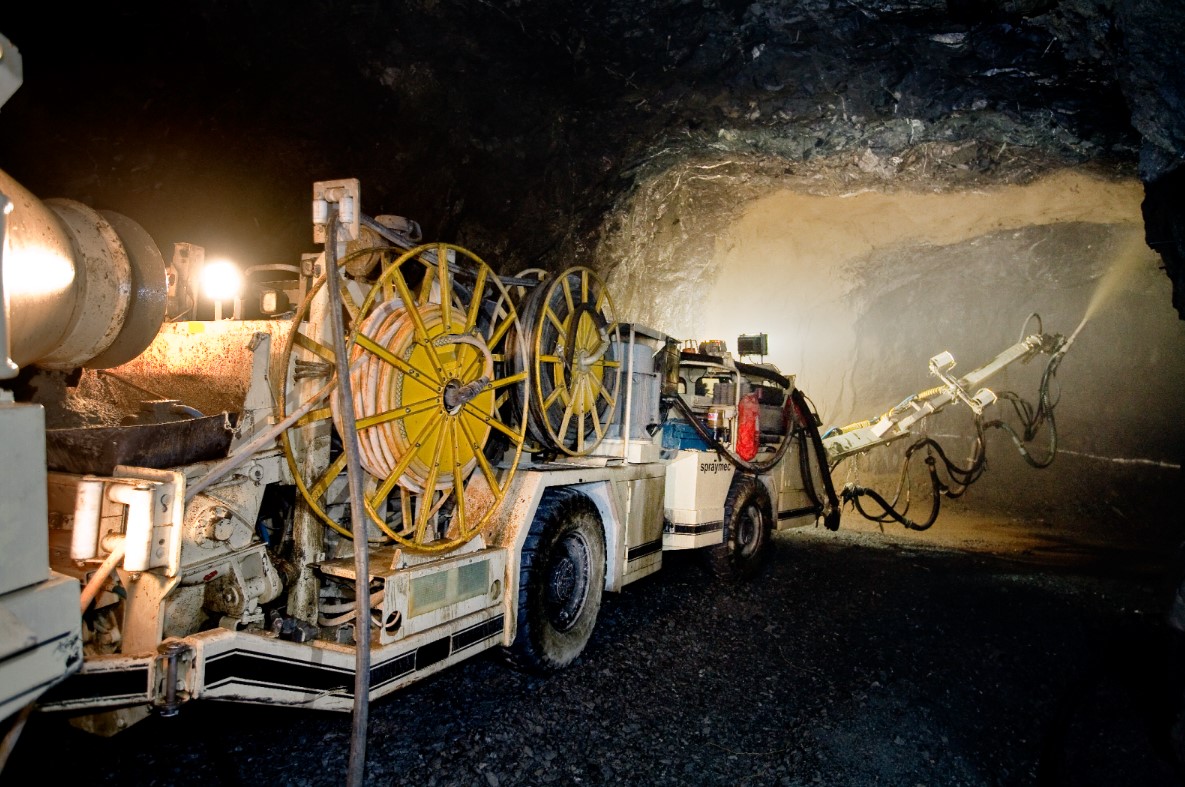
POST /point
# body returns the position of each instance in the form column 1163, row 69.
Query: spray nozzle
column 1052, row 344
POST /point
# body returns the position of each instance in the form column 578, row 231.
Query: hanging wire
column 958, row 478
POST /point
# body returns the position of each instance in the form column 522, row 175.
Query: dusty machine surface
column 509, row 449
column 204, row 451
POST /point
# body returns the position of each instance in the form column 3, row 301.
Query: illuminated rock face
column 514, row 127
column 808, row 269
column 880, row 177
column 858, row 289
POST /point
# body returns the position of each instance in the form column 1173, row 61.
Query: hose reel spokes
column 430, row 376
column 573, row 363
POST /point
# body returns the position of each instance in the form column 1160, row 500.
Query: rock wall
column 870, row 172
column 514, row 127
column 858, row 289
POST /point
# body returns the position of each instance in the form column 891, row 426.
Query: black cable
column 961, row 478
column 853, row 493
column 804, row 468
column 804, row 432
column 829, row 509
column 1033, row 420
column 753, row 467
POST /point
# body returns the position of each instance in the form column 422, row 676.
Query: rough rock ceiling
column 514, row 127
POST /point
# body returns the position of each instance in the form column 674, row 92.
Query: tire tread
column 557, row 504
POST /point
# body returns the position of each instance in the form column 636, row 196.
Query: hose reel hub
column 428, row 351
column 380, row 388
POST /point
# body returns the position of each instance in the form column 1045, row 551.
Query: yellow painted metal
column 519, row 294
column 311, row 481
column 916, row 398
column 576, row 379
column 436, row 322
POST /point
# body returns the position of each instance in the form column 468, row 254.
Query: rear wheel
column 748, row 524
column 561, row 579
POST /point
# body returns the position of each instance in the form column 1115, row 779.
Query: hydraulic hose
column 709, row 438
column 804, row 469
column 829, row 508
column 1034, row 420
column 853, row 493
column 806, row 431
column 963, row 477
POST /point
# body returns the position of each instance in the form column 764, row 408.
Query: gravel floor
column 855, row 659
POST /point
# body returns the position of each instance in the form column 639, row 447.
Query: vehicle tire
column 561, row 580
column 748, row 527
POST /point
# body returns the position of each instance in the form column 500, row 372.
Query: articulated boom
column 897, row 422
column 247, row 509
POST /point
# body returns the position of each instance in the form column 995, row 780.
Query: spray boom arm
column 842, row 442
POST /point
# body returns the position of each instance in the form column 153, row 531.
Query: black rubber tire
column 561, row 581
column 748, row 530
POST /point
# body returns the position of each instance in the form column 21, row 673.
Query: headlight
column 273, row 302
column 222, row 280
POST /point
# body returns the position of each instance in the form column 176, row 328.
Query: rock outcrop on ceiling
column 514, row 127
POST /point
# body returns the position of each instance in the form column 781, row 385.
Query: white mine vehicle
column 519, row 451
column 511, row 450
column 183, row 516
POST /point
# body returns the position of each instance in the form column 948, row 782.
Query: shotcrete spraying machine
column 336, row 477
column 501, row 450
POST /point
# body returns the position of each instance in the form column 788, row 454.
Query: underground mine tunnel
column 866, row 184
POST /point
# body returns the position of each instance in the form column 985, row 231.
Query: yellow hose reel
column 429, row 351
column 573, row 363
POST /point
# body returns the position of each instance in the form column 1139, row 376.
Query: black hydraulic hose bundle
column 1034, row 420
column 808, row 430
column 853, row 493
column 719, row 447
column 805, row 430
column 962, row 477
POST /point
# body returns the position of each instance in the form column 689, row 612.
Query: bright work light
column 222, row 280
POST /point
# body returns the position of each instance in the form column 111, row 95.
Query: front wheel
column 561, row 579
column 747, row 531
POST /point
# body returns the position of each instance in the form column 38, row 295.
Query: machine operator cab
column 713, row 386
column 735, row 436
